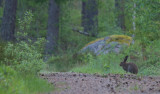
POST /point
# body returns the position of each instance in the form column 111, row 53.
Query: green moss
column 120, row 39
column 94, row 41
column 116, row 38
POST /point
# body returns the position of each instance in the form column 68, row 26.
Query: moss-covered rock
column 113, row 43
column 120, row 38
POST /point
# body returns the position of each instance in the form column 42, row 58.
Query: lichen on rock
column 113, row 43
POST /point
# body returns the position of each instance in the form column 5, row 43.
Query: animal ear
column 125, row 59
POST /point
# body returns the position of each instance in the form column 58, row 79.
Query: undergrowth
column 147, row 59
column 11, row 82
column 19, row 67
column 20, row 63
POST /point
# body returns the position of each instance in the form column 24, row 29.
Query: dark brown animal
column 129, row 67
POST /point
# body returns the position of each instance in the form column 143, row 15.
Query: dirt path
column 78, row 83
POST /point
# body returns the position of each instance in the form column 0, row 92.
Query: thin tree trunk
column 134, row 20
column 8, row 20
column 53, row 27
column 89, row 17
column 134, row 17
column 119, row 5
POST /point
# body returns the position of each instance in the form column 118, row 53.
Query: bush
column 24, row 57
column 20, row 61
column 151, row 59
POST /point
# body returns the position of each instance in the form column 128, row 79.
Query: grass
column 64, row 62
column 11, row 82
column 102, row 64
column 35, row 84
column 146, row 58
column 148, row 61
column 29, row 85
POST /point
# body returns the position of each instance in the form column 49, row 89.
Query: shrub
column 24, row 57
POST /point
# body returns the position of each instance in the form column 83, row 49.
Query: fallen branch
column 81, row 32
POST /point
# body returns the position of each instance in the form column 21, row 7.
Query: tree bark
column 1, row 1
column 8, row 20
column 134, row 16
column 90, row 17
column 53, row 27
column 120, row 5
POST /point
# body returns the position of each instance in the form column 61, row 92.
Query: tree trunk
column 1, row 1
column 8, row 20
column 53, row 27
column 134, row 16
column 89, row 17
column 119, row 5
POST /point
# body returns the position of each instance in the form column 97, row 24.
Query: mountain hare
column 129, row 67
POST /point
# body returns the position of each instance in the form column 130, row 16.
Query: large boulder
column 114, row 43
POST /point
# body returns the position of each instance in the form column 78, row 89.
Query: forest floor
column 78, row 83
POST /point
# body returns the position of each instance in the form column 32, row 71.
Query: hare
column 129, row 67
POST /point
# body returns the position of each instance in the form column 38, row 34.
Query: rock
column 114, row 43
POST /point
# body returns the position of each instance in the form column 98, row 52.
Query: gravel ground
column 78, row 83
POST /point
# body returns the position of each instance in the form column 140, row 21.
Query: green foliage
column 2, row 46
column 147, row 19
column 147, row 60
column 70, row 17
column 38, row 23
column 65, row 62
column 20, row 61
column 13, row 83
column 35, row 84
column 24, row 24
column 1, row 11
column 101, row 64
column 145, row 51
column 88, row 58
column 24, row 57
column 1, row 14
column 10, row 83
column 151, row 60
column 107, row 18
